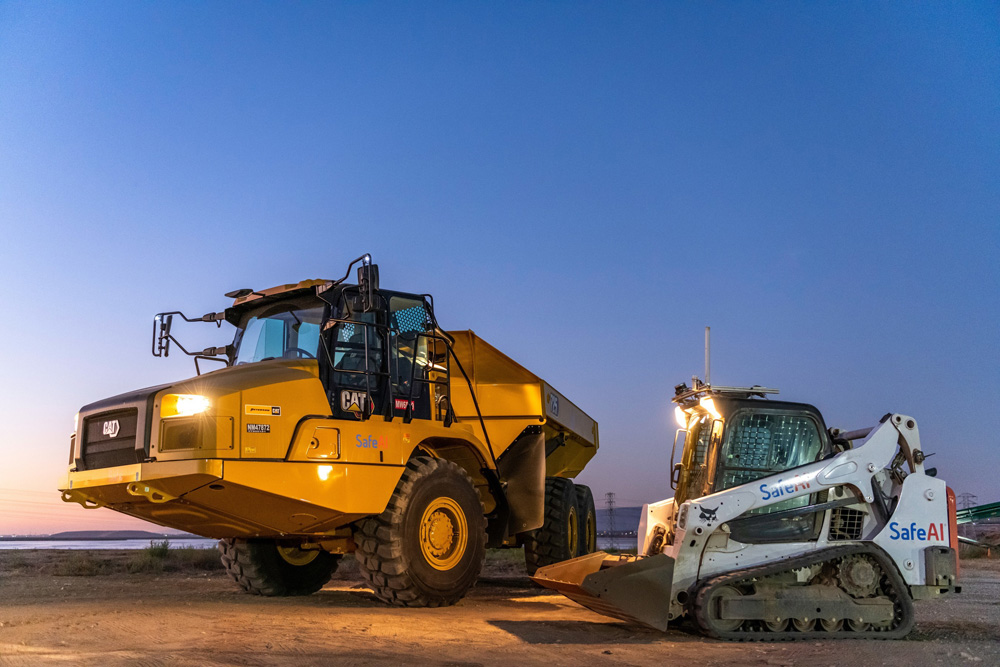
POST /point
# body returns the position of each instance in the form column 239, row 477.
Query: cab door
column 759, row 443
column 357, row 377
column 411, row 357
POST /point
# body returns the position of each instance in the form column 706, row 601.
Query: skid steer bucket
column 627, row 587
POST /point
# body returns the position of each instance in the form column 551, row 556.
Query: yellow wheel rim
column 573, row 532
column 444, row 533
column 297, row 556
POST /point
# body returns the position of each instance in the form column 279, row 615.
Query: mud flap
column 522, row 466
column 630, row 588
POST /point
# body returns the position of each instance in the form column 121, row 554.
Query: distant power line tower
column 609, row 503
column 965, row 501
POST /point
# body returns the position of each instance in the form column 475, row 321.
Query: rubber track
column 383, row 565
column 903, row 627
column 252, row 576
column 543, row 546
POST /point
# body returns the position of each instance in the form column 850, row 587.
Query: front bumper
column 225, row 498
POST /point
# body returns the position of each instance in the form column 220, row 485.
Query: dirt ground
column 200, row 618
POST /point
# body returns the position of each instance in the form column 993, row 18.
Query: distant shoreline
column 51, row 538
column 98, row 536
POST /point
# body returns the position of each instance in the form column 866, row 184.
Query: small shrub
column 144, row 562
column 158, row 549
column 15, row 560
column 82, row 564
column 190, row 558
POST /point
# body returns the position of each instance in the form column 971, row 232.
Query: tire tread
column 380, row 549
column 547, row 545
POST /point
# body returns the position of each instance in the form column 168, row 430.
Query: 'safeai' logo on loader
column 934, row 531
column 111, row 428
column 783, row 488
column 371, row 442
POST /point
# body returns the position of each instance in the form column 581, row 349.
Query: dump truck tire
column 266, row 567
column 558, row 538
column 428, row 546
column 588, row 520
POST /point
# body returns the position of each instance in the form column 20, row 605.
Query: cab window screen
column 763, row 444
column 409, row 316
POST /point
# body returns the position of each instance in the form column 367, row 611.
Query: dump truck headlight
column 183, row 405
column 681, row 417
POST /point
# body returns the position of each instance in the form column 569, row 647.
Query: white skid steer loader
column 780, row 528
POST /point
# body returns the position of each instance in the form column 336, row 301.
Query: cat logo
column 111, row 428
column 263, row 410
column 353, row 401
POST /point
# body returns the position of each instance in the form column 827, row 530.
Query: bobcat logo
column 707, row 514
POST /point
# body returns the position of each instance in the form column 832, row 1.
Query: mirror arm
column 162, row 337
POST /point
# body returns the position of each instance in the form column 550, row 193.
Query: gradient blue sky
column 587, row 185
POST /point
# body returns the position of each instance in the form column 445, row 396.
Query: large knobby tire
column 428, row 546
column 588, row 520
column 558, row 538
column 268, row 567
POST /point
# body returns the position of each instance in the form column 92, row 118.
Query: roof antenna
column 708, row 347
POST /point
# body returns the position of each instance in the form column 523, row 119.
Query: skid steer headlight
column 709, row 405
column 183, row 405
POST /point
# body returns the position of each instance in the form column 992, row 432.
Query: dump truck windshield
column 280, row 331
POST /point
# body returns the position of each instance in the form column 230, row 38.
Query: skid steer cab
column 779, row 527
column 342, row 419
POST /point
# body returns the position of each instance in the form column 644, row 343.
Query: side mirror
column 161, row 335
column 368, row 285
column 675, row 469
column 675, row 475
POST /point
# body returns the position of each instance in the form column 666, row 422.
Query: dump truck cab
column 385, row 358
column 336, row 403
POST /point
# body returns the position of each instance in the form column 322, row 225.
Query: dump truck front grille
column 846, row 524
column 109, row 439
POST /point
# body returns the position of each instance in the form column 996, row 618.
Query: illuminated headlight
column 183, row 405
column 709, row 406
column 681, row 417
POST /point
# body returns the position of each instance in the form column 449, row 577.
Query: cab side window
column 357, row 352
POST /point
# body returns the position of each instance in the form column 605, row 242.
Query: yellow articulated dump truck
column 344, row 419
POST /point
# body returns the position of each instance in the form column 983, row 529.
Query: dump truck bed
column 512, row 398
